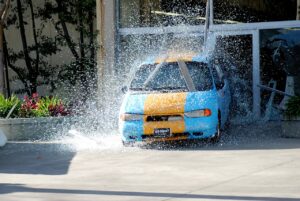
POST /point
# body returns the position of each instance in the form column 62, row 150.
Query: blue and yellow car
column 176, row 97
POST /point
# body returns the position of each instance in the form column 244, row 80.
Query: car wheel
column 218, row 134
column 127, row 144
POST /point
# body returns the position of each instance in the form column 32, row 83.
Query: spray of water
column 97, row 128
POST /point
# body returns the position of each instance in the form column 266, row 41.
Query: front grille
column 164, row 118
column 198, row 134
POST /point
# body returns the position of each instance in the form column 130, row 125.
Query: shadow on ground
column 55, row 158
column 35, row 158
column 11, row 188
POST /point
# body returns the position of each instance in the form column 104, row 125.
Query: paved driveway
column 252, row 163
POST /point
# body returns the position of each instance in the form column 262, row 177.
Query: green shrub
column 42, row 107
column 293, row 107
column 32, row 107
column 7, row 104
column 46, row 107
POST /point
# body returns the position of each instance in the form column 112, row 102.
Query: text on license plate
column 162, row 132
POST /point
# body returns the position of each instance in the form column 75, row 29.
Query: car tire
column 216, row 138
column 127, row 144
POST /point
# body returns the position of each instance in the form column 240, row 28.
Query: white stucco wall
column 13, row 38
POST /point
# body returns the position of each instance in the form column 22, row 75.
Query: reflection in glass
column 153, row 13
column 280, row 57
column 135, row 49
column 243, row 11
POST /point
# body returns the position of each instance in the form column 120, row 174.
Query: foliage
column 293, row 107
column 7, row 104
column 33, row 106
column 80, row 14
column 29, row 106
column 63, row 16
column 42, row 107
column 30, row 63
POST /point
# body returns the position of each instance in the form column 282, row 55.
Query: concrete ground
column 250, row 163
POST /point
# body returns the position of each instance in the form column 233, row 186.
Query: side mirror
column 125, row 89
column 219, row 85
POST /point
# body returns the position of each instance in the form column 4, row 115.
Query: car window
column 141, row 76
column 200, row 75
column 168, row 77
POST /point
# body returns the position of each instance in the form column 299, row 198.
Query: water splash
column 93, row 142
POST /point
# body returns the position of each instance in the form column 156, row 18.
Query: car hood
column 168, row 103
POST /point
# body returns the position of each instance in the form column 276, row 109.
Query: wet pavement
column 250, row 163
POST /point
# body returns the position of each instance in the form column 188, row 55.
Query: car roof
column 176, row 56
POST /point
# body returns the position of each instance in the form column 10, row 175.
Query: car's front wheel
column 216, row 138
column 127, row 144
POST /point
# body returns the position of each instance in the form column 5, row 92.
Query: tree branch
column 81, row 30
column 15, row 69
column 35, row 37
column 65, row 29
column 91, row 29
column 23, row 36
column 4, row 11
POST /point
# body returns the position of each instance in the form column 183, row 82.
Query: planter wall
column 291, row 127
column 36, row 128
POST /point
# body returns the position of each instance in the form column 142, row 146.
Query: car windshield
column 168, row 77
column 200, row 75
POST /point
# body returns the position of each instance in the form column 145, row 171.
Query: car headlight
column 198, row 113
column 131, row 117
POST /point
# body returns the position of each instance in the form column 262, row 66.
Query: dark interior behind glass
column 169, row 77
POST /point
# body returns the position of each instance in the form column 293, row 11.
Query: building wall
column 14, row 42
column 134, row 45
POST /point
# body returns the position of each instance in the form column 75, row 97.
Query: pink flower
column 35, row 95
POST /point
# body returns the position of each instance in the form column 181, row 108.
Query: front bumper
column 189, row 128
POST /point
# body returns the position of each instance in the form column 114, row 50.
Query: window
column 242, row 11
column 167, row 77
column 280, row 50
column 200, row 75
column 141, row 76
column 153, row 13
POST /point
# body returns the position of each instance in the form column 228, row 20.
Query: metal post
column 207, row 21
column 256, row 74
column 298, row 10
column 106, row 38
column 211, row 12
column 100, row 38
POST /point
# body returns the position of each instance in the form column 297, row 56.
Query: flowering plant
column 29, row 106
column 42, row 107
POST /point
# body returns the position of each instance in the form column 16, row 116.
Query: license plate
column 162, row 132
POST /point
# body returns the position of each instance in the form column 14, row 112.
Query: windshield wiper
column 137, row 89
column 169, row 88
column 140, row 89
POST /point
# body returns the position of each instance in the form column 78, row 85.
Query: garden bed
column 291, row 127
column 291, row 119
column 34, row 118
column 36, row 128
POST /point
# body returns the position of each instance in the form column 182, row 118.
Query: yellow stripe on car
column 174, row 57
column 164, row 104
